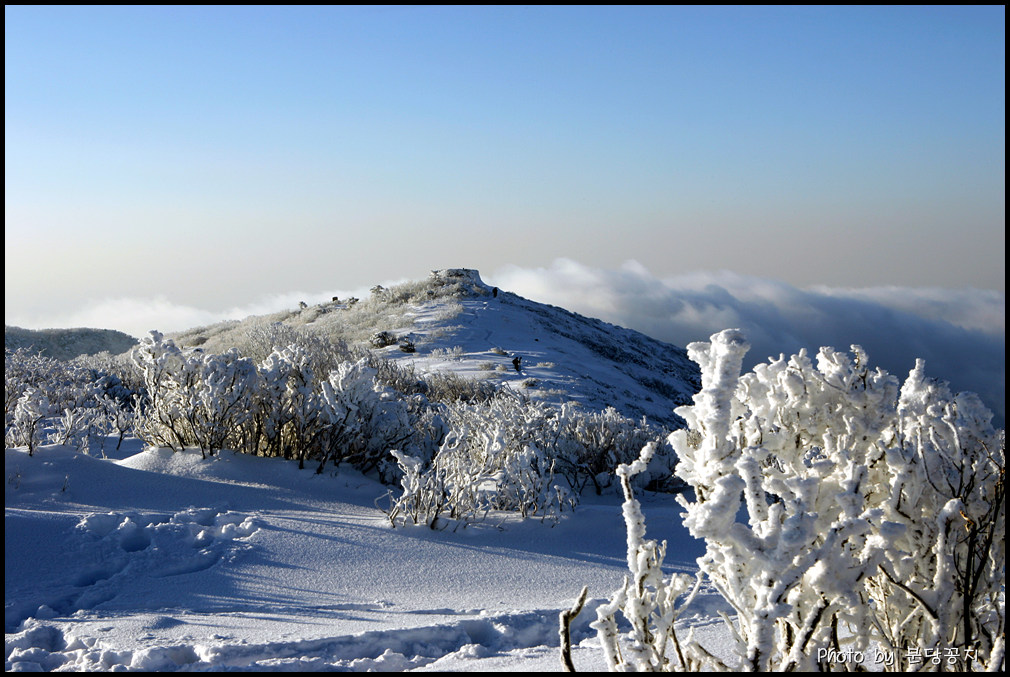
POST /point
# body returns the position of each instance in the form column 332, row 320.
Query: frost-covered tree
column 649, row 600
column 30, row 410
column 193, row 398
column 838, row 510
column 364, row 419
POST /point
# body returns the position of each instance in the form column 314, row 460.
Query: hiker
column 516, row 361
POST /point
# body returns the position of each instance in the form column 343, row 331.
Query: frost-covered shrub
column 591, row 445
column 281, row 407
column 873, row 514
column 30, row 410
column 448, row 386
column 116, row 376
column 260, row 338
column 364, row 419
column 47, row 399
column 114, row 417
column 941, row 584
column 493, row 460
column 74, row 426
column 65, row 384
column 287, row 420
column 394, row 375
column 648, row 600
column 381, row 339
column 453, row 353
column 511, row 453
column 193, row 398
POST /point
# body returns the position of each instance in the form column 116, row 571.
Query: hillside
column 455, row 322
column 66, row 344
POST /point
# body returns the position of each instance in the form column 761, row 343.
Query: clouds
column 960, row 333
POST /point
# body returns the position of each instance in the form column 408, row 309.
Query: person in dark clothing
column 516, row 362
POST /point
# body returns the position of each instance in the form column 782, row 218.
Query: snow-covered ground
column 148, row 559
column 152, row 560
column 155, row 560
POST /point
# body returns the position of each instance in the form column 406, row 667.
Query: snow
column 149, row 559
column 570, row 357
column 470, row 331
column 166, row 561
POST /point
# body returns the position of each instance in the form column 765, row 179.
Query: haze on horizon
column 203, row 160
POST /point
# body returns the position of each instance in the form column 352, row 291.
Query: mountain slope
column 66, row 344
column 457, row 323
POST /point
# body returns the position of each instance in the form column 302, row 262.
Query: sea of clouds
column 960, row 333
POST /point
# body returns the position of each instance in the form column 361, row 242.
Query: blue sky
column 212, row 157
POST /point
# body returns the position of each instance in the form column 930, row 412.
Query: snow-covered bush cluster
column 280, row 407
column 463, row 447
column 51, row 400
column 511, row 453
column 505, row 451
column 840, row 510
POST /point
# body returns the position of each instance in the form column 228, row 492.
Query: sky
column 185, row 163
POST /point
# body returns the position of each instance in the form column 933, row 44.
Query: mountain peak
column 454, row 322
column 459, row 275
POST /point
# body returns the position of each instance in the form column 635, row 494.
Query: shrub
column 31, row 409
column 193, row 399
column 382, row 339
column 448, row 387
column 287, row 416
column 62, row 402
column 365, row 420
column 453, row 353
column 509, row 453
column 874, row 514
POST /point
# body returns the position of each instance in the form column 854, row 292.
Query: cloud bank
column 960, row 333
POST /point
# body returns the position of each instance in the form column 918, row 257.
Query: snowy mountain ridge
column 454, row 322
